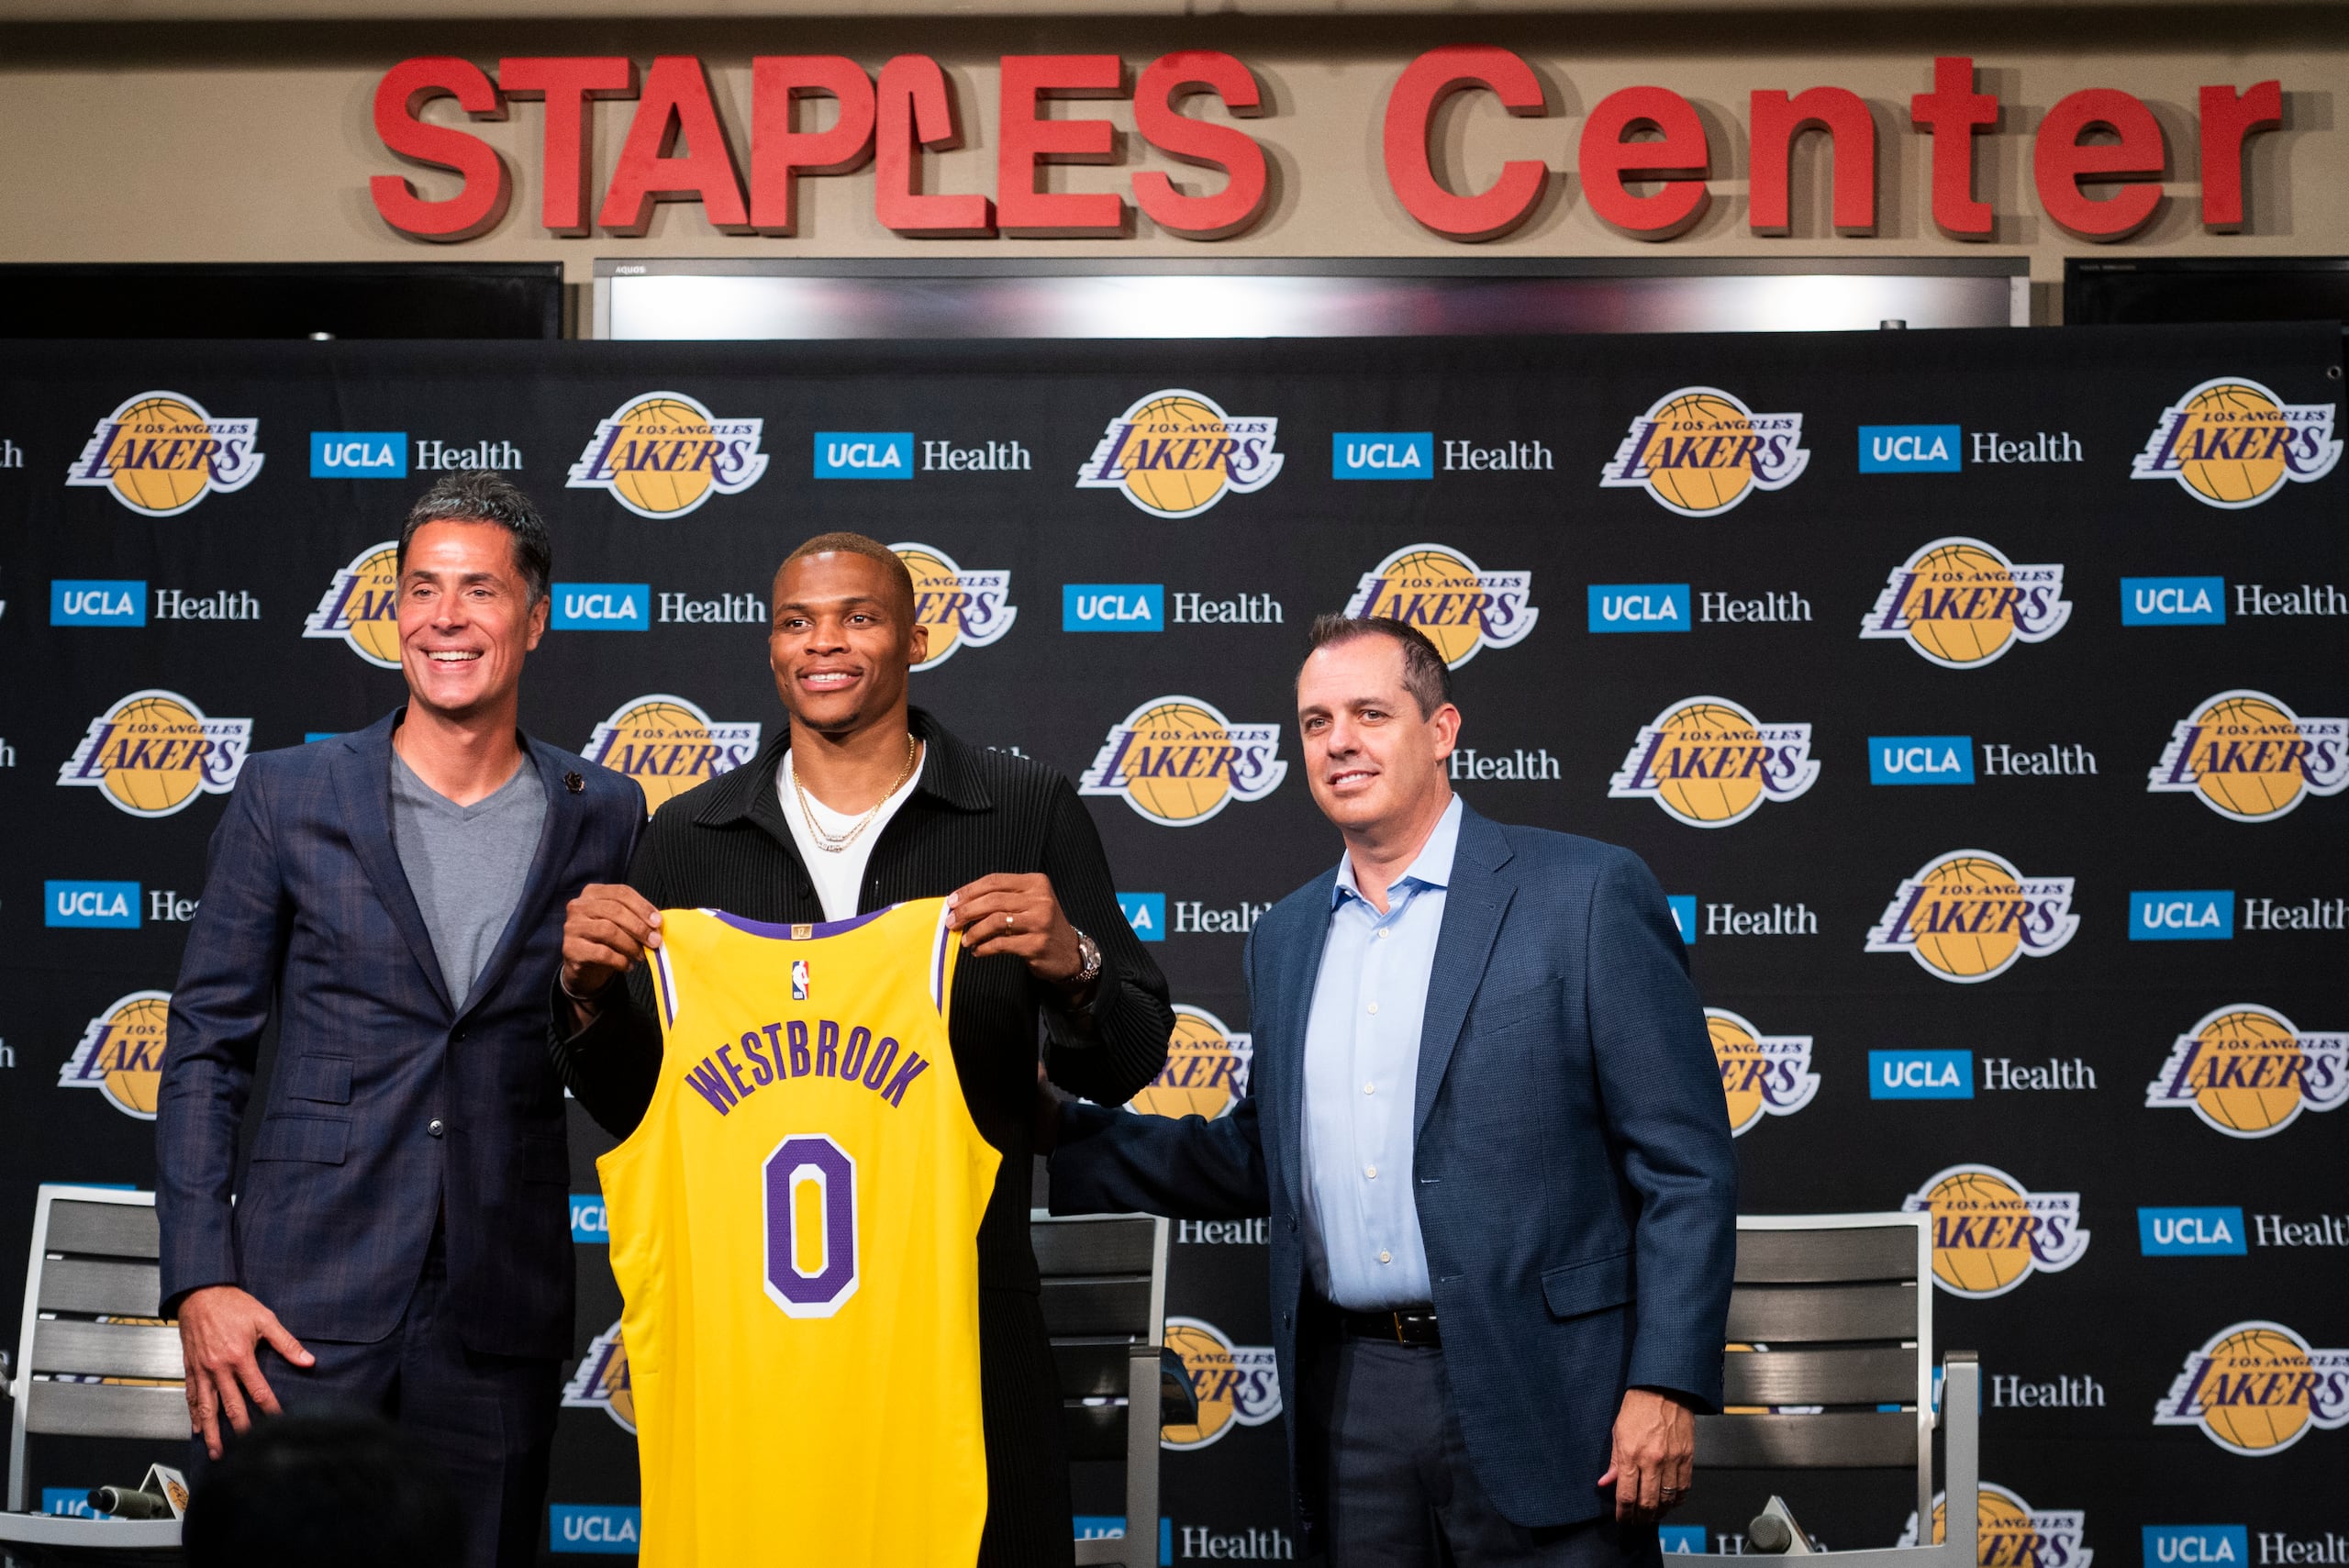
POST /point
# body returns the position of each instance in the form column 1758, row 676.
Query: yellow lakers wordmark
column 154, row 752
column 2013, row 1534
column 1968, row 916
column 1708, row 761
column 1207, row 1069
column 1178, row 762
column 667, row 744
column 2231, row 442
column 161, row 453
column 1443, row 593
column 1762, row 1074
column 2251, row 758
column 1237, row 1384
column 1991, row 1232
column 1175, row 453
column 662, row 453
column 1700, row 451
column 2256, row 1388
column 962, row 609
column 362, row 606
column 121, row 1053
column 601, row 1382
column 2247, row 1070
column 1962, row 603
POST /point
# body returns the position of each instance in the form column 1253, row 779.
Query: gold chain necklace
column 827, row 843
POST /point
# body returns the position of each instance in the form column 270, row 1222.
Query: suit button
column 434, row 1128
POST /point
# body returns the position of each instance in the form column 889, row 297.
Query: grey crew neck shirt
column 466, row 865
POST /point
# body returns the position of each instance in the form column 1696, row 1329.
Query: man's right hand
column 604, row 930
column 219, row 1326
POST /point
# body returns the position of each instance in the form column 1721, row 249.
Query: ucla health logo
column 601, row 1382
column 154, row 752
column 2256, row 1388
column 2191, row 1232
column 1175, row 453
column 1237, row 1385
column 102, row 905
column 2248, row 1072
column 1638, row 606
column 1910, row 449
column 121, row 1053
column 667, row 744
column 1920, row 759
column 2170, row 1546
column 1968, row 916
column 864, row 454
column 2172, row 601
column 1920, row 1074
column 161, row 453
column 1700, row 451
column 662, row 453
column 359, row 454
column 1709, row 762
column 1207, row 1069
column 2251, row 758
column 1762, row 1074
column 601, row 606
column 1961, row 603
column 1382, row 454
column 361, row 606
column 1443, row 594
column 962, row 609
column 1991, row 1232
column 2231, row 442
column 1113, row 606
column 2013, row 1534
column 2206, row 915
column 1178, row 762
column 89, row 600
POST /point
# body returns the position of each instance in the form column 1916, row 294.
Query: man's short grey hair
column 1425, row 674
column 478, row 495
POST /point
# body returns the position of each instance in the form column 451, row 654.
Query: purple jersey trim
column 668, row 985
column 783, row 933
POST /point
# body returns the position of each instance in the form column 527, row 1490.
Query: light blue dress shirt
column 1362, row 1071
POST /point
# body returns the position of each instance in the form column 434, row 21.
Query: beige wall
column 252, row 140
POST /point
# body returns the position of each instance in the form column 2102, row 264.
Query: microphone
column 128, row 1503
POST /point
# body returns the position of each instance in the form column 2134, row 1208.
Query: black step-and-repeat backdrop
column 1977, row 697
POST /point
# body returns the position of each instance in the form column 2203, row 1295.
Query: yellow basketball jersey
column 795, row 1227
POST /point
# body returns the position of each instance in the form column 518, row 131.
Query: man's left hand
column 1655, row 1447
column 1015, row 912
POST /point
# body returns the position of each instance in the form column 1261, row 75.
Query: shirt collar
column 1432, row 868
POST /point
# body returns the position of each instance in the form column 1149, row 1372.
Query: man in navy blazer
column 1504, row 1207
column 395, row 899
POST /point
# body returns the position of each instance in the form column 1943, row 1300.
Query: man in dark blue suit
column 1486, row 1122
column 394, row 895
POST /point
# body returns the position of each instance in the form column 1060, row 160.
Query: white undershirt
column 839, row 874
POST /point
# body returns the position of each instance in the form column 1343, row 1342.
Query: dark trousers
column 486, row 1421
column 1397, row 1486
column 1030, row 1522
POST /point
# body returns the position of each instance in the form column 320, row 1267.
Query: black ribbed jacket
column 726, row 845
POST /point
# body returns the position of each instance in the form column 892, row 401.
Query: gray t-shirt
column 466, row 865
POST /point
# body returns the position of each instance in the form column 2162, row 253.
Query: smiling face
column 842, row 640
column 1374, row 764
column 466, row 619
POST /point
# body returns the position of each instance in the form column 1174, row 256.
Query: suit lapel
column 1287, row 1013
column 362, row 781
column 565, row 812
column 1474, row 906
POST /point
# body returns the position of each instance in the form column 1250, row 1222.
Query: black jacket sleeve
column 612, row 1065
column 1111, row 1053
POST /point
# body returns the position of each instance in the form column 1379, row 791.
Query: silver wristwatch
column 1088, row 952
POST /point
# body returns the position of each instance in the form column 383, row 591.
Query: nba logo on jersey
column 799, row 980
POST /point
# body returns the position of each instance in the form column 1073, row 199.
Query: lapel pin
column 574, row 783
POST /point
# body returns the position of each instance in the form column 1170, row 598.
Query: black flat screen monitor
column 2197, row 288
column 291, row 300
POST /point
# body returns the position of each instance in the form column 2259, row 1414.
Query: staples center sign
column 1641, row 158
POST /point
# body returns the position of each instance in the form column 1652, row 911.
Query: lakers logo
column 2232, row 443
column 121, row 1053
column 1441, row 592
column 668, row 745
column 1961, row 603
column 663, row 454
column 1178, row 762
column 362, row 605
column 1237, row 1384
column 1762, row 1074
column 161, row 453
column 962, row 609
column 1710, row 763
column 1207, row 1069
column 1968, row 916
column 1700, row 451
column 154, row 752
column 1175, row 453
column 1991, row 1232
column 2247, row 1071
column 601, row 1382
column 2257, row 1388
column 2013, row 1534
column 2251, row 757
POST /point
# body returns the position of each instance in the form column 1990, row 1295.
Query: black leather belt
column 1411, row 1326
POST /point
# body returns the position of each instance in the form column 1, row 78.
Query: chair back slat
column 1090, row 1307
column 1803, row 1313
column 100, row 1286
column 1091, row 1369
column 1831, row 1440
column 104, row 1229
column 1844, row 1255
column 105, row 1409
column 1840, row 1374
column 107, row 1350
column 1120, row 1245
column 1095, row 1432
